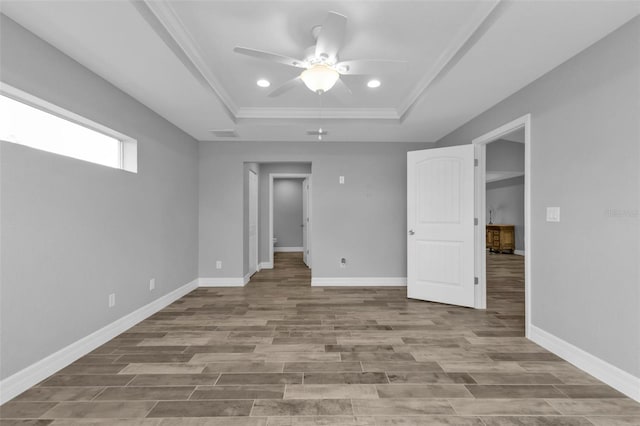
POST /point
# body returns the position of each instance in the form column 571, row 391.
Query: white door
column 306, row 255
column 253, row 222
column 440, row 220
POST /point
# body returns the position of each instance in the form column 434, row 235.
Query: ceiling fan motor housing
column 324, row 59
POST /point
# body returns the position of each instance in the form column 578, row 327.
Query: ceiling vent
column 224, row 133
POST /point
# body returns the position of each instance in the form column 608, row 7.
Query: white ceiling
column 463, row 57
column 515, row 136
column 495, row 176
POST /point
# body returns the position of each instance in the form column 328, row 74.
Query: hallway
column 279, row 352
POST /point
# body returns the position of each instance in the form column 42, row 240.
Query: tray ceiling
column 177, row 58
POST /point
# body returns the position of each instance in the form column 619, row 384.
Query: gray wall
column 505, row 156
column 506, row 199
column 287, row 212
column 585, row 159
column 72, row 231
column 263, row 215
column 363, row 220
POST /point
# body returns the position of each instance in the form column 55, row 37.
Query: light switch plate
column 553, row 214
column 341, row 180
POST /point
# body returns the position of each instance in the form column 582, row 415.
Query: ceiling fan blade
column 371, row 66
column 331, row 35
column 268, row 56
column 285, row 87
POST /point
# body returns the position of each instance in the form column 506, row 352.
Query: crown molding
column 175, row 28
column 173, row 25
column 314, row 113
column 193, row 59
column 461, row 44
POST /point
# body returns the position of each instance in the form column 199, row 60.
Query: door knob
column 411, row 232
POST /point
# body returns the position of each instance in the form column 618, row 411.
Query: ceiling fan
column 322, row 68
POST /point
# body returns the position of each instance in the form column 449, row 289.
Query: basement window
column 29, row 121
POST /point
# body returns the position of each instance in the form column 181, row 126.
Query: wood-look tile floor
column 281, row 353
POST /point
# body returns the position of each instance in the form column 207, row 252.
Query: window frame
column 128, row 146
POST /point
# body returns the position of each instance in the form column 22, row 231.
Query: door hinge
column 475, row 221
column 475, row 280
column 475, row 162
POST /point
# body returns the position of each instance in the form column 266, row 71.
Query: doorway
column 498, row 179
column 291, row 225
column 446, row 217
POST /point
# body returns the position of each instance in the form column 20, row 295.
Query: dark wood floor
column 279, row 352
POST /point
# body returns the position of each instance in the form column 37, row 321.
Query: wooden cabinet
column 501, row 238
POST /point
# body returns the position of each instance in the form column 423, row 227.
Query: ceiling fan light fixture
column 319, row 78
column 263, row 83
column 373, row 84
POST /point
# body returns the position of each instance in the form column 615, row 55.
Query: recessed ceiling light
column 263, row 83
column 372, row 84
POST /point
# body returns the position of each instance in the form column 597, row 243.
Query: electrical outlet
column 341, row 180
column 343, row 263
column 152, row 284
column 218, row 264
column 112, row 300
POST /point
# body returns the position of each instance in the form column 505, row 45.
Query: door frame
column 480, row 144
column 256, row 207
column 306, row 220
column 272, row 177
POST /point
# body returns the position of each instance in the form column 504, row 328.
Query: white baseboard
column 19, row 382
column 266, row 265
column 602, row 370
column 519, row 252
column 247, row 278
column 222, row 282
column 359, row 281
column 288, row 249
